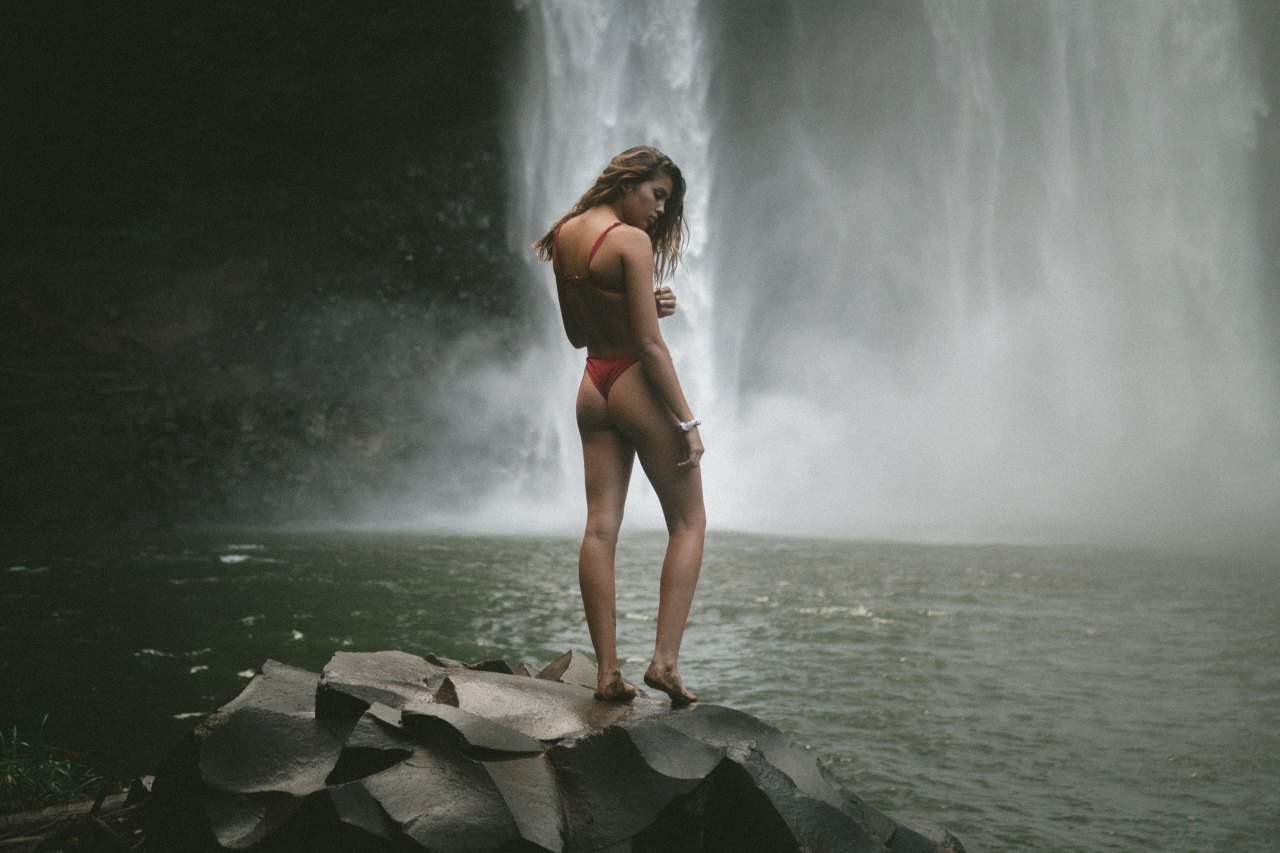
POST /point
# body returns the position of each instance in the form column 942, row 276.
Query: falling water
column 960, row 269
column 599, row 78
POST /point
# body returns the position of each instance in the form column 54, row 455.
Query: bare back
column 591, row 283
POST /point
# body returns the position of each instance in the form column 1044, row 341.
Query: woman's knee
column 602, row 529
column 688, row 521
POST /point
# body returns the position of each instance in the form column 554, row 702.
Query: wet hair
column 624, row 173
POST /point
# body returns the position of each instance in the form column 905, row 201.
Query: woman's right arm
column 636, row 250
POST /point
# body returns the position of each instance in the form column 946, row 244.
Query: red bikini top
column 586, row 279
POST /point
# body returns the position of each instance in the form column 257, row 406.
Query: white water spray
column 1022, row 290
column 959, row 270
column 599, row 78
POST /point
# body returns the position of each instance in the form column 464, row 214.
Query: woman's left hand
column 666, row 299
column 693, row 445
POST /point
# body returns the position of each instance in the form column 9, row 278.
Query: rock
column 430, row 754
column 492, row 666
column 529, row 787
column 609, row 792
column 376, row 742
column 726, row 727
column 436, row 722
column 352, row 681
column 443, row 801
column 445, row 662
column 267, row 741
column 358, row 808
column 543, row 710
column 572, row 667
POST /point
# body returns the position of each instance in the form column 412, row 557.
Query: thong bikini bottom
column 605, row 371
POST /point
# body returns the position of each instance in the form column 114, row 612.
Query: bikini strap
column 600, row 240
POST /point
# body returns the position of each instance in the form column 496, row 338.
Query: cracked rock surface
column 386, row 751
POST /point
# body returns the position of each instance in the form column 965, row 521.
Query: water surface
column 1027, row 698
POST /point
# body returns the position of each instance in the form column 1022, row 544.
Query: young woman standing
column 605, row 253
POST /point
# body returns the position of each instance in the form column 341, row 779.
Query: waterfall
column 596, row 79
column 959, row 270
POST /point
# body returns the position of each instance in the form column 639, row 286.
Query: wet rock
column 926, row 840
column 529, row 787
column 268, row 737
column 239, row 822
column 352, row 681
column 572, row 667
column 358, row 808
column 610, row 793
column 671, row 752
column 435, row 722
column 428, row 754
column 450, row 663
column 263, row 753
column 376, row 742
column 252, row 750
column 727, row 727
column 543, row 710
column 443, row 801
column 379, row 728
column 492, row 666
column 814, row 822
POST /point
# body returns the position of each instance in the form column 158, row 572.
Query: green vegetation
column 34, row 775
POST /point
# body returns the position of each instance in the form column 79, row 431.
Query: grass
column 34, row 775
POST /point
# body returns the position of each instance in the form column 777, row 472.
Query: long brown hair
column 624, row 173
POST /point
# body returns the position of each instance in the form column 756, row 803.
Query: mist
column 961, row 271
column 958, row 271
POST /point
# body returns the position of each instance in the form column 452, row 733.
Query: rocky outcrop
column 387, row 751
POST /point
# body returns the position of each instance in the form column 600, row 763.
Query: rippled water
column 1026, row 698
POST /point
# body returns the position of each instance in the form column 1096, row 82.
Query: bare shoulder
column 630, row 241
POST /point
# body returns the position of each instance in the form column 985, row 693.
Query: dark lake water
column 1027, row 698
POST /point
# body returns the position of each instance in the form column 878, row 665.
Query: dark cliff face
column 242, row 237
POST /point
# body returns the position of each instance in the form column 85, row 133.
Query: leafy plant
column 34, row 774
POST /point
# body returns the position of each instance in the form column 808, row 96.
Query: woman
column 605, row 252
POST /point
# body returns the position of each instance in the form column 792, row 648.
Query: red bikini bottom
column 605, row 371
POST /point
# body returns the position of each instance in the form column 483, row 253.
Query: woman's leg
column 607, row 459
column 641, row 417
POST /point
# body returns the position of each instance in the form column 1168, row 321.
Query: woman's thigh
column 607, row 458
column 638, row 413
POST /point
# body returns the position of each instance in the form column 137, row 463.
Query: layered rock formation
column 387, row 751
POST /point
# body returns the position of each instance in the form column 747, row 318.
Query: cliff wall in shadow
column 246, row 242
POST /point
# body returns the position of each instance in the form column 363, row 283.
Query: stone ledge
column 386, row 751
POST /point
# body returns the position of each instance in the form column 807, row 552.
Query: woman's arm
column 572, row 328
column 637, row 267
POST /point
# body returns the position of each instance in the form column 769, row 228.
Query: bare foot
column 667, row 679
column 615, row 689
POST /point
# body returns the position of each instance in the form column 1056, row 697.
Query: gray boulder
column 387, row 751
